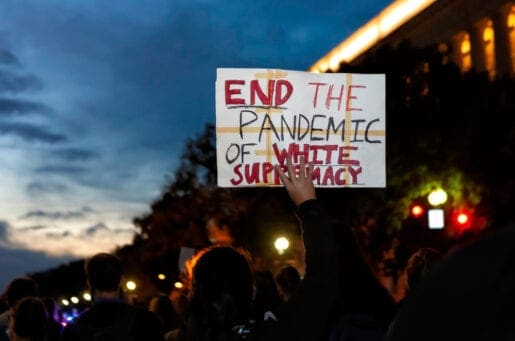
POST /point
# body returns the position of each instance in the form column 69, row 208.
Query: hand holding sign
column 300, row 187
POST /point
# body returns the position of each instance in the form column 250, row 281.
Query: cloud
column 75, row 154
column 58, row 235
column 61, row 169
column 16, row 260
column 95, row 229
column 9, row 106
column 31, row 132
column 6, row 57
column 83, row 212
column 10, row 82
column 33, row 228
column 63, row 238
column 3, row 229
column 36, row 188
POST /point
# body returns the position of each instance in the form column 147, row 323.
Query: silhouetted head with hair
column 29, row 320
column 104, row 272
column 19, row 288
column 420, row 264
column 288, row 280
column 221, row 294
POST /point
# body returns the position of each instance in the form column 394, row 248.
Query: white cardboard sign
column 335, row 121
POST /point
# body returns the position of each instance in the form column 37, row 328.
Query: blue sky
column 98, row 97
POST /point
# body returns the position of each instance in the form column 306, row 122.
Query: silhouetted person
column 221, row 297
column 162, row 307
column 29, row 321
column 17, row 289
column 110, row 318
column 469, row 295
column 266, row 296
column 420, row 265
column 365, row 309
column 288, row 281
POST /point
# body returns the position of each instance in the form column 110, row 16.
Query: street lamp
column 131, row 285
column 281, row 244
column 437, row 197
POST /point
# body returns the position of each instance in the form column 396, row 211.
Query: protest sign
column 335, row 121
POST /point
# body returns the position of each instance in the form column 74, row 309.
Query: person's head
column 104, row 272
column 29, row 320
column 288, row 280
column 221, row 290
column 19, row 288
column 420, row 264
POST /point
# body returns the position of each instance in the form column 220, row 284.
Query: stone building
column 475, row 34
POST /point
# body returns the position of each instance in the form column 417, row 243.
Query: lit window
column 511, row 30
column 466, row 57
column 489, row 46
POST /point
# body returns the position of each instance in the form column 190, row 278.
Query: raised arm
column 305, row 315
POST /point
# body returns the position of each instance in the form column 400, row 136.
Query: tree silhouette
column 444, row 129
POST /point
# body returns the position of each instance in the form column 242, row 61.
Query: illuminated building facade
column 476, row 34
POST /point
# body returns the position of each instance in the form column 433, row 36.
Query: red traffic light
column 462, row 219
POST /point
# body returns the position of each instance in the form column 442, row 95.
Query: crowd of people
column 338, row 297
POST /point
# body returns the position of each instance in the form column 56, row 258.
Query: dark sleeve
column 305, row 316
column 147, row 327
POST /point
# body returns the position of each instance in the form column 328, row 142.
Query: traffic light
column 462, row 219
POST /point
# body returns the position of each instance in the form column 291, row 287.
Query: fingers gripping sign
column 298, row 184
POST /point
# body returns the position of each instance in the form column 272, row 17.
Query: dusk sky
column 98, row 97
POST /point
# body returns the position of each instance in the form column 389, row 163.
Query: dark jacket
column 112, row 321
column 470, row 295
column 305, row 316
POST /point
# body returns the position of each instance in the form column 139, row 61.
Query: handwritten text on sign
column 335, row 121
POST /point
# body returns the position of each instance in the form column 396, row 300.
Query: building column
column 503, row 61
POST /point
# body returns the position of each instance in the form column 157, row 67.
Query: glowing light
column 462, row 218
column 511, row 19
column 435, row 218
column 65, row 302
column 178, row 285
column 74, row 300
column 162, row 277
column 393, row 16
column 417, row 211
column 86, row 296
column 465, row 44
column 437, row 197
column 466, row 57
column 488, row 33
column 131, row 285
column 281, row 244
